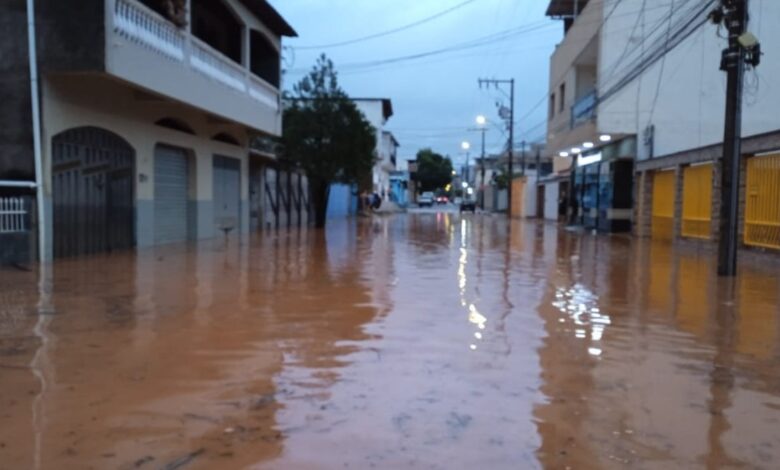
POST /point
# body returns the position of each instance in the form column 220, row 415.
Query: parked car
column 468, row 204
column 442, row 200
column 426, row 199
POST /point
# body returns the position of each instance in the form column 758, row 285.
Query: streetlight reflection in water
column 580, row 305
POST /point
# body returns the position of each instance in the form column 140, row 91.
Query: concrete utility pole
column 511, row 124
column 482, row 172
column 538, row 162
column 742, row 48
column 522, row 162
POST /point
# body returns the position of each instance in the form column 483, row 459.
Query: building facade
column 592, row 169
column 676, row 107
column 147, row 113
column 638, row 86
column 378, row 111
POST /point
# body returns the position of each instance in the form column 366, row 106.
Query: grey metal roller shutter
column 227, row 193
column 170, row 195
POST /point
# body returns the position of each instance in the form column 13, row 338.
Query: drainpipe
column 36, row 126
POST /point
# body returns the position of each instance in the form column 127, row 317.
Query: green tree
column 434, row 171
column 326, row 135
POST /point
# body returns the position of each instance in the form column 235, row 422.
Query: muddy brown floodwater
column 420, row 341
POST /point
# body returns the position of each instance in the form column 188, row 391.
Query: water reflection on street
column 416, row 341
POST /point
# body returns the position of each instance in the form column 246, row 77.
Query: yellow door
column 697, row 201
column 663, row 204
column 762, row 202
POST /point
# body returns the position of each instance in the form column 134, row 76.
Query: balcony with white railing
column 146, row 49
column 584, row 109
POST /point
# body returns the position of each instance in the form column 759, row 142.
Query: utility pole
column 482, row 172
column 522, row 162
column 511, row 125
column 538, row 162
column 741, row 48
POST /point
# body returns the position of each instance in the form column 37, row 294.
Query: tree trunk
column 320, row 194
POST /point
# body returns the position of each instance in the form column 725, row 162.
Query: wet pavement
column 414, row 341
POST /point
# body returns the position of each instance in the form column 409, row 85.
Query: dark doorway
column 93, row 192
column 563, row 200
column 540, row 201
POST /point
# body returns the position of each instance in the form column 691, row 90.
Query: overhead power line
column 390, row 31
column 681, row 31
column 475, row 43
column 466, row 45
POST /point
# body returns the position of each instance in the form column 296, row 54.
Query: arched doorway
column 92, row 191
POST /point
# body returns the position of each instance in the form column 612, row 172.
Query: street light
column 481, row 120
column 465, row 145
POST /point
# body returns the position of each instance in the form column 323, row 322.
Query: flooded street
column 418, row 341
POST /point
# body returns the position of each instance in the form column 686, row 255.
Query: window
column 551, row 112
column 561, row 97
column 226, row 138
column 175, row 124
column 264, row 61
column 216, row 25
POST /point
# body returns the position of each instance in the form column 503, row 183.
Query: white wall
column 551, row 194
column 687, row 105
column 374, row 113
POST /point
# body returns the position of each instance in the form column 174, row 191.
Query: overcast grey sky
column 435, row 98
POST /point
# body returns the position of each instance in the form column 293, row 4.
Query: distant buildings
column 147, row 115
column 378, row 111
column 636, row 117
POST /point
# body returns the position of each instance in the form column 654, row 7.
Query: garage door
column 663, row 204
column 697, row 201
column 170, row 194
column 93, row 194
column 227, row 187
column 762, row 204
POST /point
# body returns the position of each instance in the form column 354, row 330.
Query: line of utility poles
column 511, row 82
column 743, row 48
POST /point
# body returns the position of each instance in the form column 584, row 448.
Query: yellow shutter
column 762, row 202
column 663, row 204
column 697, row 201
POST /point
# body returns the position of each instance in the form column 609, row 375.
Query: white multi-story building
column 640, row 83
column 377, row 111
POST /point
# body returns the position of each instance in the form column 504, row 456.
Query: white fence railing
column 143, row 26
column 213, row 64
column 263, row 92
column 140, row 25
column 13, row 215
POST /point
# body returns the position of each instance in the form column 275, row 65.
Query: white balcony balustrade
column 140, row 25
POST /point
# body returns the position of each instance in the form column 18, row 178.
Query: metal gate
column 271, row 197
column 762, row 205
column 663, row 204
column 93, row 192
column 170, row 194
column 697, row 201
column 227, row 193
